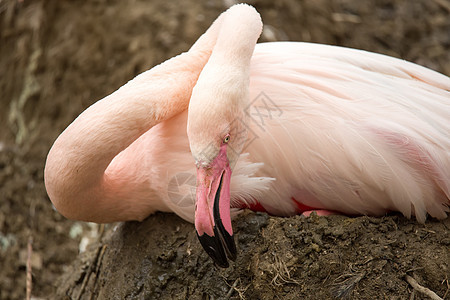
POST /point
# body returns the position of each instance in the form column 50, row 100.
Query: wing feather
column 361, row 132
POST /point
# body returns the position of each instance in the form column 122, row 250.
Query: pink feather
column 338, row 129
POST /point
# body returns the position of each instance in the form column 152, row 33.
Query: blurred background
column 57, row 57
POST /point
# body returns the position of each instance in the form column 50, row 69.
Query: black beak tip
column 222, row 264
column 228, row 243
column 214, row 249
column 232, row 255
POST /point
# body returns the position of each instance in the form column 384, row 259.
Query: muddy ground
column 57, row 57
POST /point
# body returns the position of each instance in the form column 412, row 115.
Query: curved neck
column 222, row 90
column 76, row 163
column 237, row 38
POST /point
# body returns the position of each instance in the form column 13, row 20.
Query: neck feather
column 222, row 90
column 75, row 167
column 237, row 38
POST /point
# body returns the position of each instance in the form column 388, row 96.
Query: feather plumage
column 362, row 132
column 329, row 128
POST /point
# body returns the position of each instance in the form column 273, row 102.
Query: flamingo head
column 217, row 133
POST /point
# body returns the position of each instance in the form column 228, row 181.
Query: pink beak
column 212, row 213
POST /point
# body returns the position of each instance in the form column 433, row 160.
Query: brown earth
column 279, row 258
column 58, row 56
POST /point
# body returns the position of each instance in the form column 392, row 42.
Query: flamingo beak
column 212, row 213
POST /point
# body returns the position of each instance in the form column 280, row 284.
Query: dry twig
column 448, row 288
column 239, row 290
column 29, row 275
column 422, row 289
column 230, row 292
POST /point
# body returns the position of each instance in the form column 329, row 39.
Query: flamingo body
column 326, row 128
column 350, row 131
column 356, row 132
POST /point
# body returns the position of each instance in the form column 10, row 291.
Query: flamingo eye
column 226, row 139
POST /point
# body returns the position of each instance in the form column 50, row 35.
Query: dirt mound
column 57, row 57
column 279, row 258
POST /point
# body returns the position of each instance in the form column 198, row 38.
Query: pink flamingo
column 281, row 127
